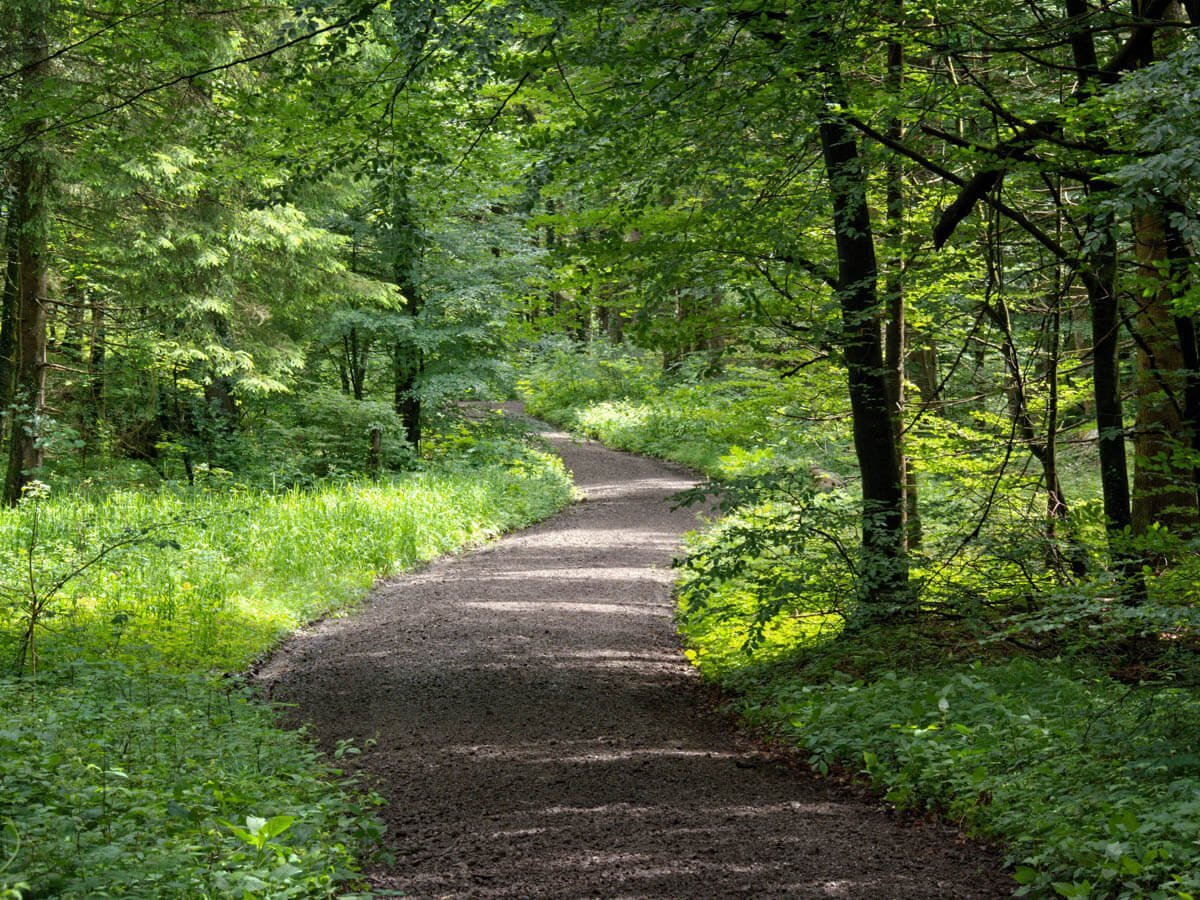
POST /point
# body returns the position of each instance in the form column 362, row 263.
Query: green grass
column 131, row 768
column 746, row 419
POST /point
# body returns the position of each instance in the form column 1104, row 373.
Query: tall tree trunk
column 1163, row 491
column 1098, row 272
column 884, row 590
column 8, row 315
column 408, row 360
column 355, row 350
column 31, row 220
column 895, row 336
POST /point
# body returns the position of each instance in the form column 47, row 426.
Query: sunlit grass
column 218, row 574
column 128, row 770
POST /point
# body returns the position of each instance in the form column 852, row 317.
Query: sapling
column 35, row 594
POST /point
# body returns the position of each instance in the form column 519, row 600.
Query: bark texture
column 883, row 570
column 31, row 221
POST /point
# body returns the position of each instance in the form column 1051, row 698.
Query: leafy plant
column 127, row 762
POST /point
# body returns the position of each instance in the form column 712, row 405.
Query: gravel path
column 538, row 734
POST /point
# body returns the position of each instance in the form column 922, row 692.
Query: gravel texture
column 537, row 732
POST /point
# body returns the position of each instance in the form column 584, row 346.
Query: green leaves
column 259, row 832
column 123, row 782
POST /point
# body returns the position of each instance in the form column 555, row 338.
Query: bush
column 322, row 433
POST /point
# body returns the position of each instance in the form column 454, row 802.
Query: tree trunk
column 8, row 316
column 408, row 360
column 1098, row 274
column 1044, row 449
column 407, row 402
column 924, row 359
column 884, row 591
column 1099, row 277
column 895, row 335
column 1163, row 490
column 355, row 366
column 30, row 218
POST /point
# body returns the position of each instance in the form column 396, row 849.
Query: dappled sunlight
column 624, row 490
column 641, row 541
column 590, row 751
column 538, row 733
column 513, row 606
column 626, row 656
column 578, row 573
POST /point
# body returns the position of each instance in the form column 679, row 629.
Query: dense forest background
column 914, row 284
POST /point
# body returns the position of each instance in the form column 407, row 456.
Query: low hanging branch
column 986, row 181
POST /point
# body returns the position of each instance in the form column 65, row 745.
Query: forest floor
column 527, row 714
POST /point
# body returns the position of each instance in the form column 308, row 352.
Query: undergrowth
column 122, row 780
column 1091, row 786
column 743, row 420
column 1010, row 706
column 130, row 766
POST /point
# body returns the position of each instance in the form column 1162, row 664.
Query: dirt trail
column 539, row 735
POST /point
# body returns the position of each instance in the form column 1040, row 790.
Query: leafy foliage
column 1007, row 710
column 122, row 779
column 152, row 590
column 272, row 243
column 1090, row 784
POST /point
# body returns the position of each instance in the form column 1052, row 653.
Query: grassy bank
column 1004, row 709
column 130, row 766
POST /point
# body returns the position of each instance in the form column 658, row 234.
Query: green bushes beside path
column 744, row 420
column 1002, row 709
column 128, row 769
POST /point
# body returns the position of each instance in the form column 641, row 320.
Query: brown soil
column 537, row 732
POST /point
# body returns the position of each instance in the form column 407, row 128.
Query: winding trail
column 538, row 734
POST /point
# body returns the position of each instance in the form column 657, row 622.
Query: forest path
column 538, row 733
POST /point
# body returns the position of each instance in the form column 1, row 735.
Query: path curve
column 538, row 733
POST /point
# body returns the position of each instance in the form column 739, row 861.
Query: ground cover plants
column 917, row 287
column 133, row 762
column 1011, row 707
column 742, row 421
